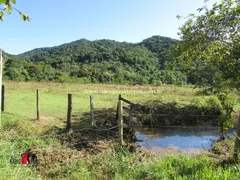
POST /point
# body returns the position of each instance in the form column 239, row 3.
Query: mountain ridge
column 44, row 49
column 99, row 61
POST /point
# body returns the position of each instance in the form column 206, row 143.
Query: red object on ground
column 25, row 158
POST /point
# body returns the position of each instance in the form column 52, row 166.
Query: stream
column 197, row 137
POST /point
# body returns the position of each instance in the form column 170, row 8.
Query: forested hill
column 159, row 44
column 28, row 54
column 100, row 61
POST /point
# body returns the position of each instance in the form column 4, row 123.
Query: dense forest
column 100, row 61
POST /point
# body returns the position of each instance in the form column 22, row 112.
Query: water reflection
column 183, row 137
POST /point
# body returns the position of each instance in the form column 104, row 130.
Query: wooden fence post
column 92, row 112
column 69, row 112
column 119, row 98
column 120, row 121
column 38, row 104
column 3, row 97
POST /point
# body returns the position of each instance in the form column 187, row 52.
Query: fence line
column 119, row 116
column 161, row 126
column 169, row 115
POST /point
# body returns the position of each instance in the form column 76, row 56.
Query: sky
column 56, row 22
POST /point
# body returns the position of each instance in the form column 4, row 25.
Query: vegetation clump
column 205, row 110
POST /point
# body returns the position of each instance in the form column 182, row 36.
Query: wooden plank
column 69, row 113
column 126, row 101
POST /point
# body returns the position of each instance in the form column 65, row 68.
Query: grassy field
column 107, row 160
column 21, row 96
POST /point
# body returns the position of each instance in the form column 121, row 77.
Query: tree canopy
column 209, row 47
column 209, row 51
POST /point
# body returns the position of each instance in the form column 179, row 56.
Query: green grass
column 20, row 131
column 118, row 163
column 21, row 96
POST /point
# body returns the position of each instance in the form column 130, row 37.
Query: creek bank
column 157, row 113
column 221, row 152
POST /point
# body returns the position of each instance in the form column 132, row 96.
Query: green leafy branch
column 7, row 8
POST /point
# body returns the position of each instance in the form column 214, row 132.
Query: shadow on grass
column 82, row 135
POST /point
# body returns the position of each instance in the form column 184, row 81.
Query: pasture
column 105, row 160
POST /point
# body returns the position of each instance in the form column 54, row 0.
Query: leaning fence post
column 69, row 112
column 120, row 121
column 3, row 97
column 38, row 104
column 92, row 112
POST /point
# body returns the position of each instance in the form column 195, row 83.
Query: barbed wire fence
column 125, row 114
column 71, row 136
column 134, row 115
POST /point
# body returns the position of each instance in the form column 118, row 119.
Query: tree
column 209, row 50
column 6, row 8
column 210, row 45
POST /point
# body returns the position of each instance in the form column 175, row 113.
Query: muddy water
column 197, row 137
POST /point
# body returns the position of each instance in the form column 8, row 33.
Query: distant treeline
column 100, row 61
